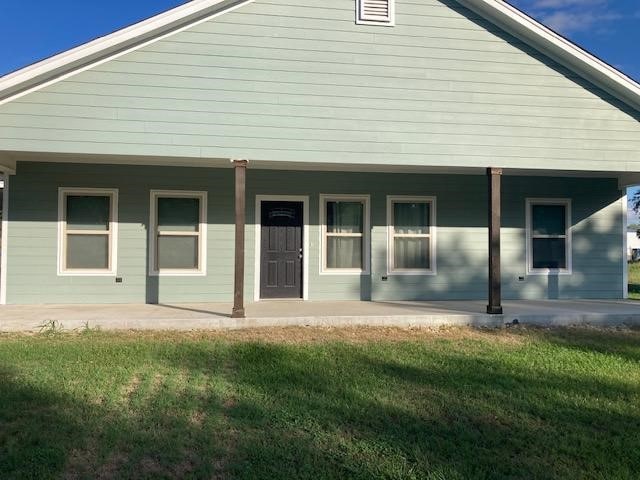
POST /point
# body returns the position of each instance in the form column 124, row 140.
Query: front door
column 281, row 249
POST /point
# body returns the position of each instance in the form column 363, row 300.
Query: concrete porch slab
column 14, row 318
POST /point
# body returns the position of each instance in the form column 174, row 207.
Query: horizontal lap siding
column 32, row 267
column 461, row 235
column 299, row 81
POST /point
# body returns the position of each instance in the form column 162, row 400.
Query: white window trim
column 305, row 240
column 63, row 192
column 362, row 20
column 566, row 202
column 202, row 234
column 366, row 234
column 431, row 201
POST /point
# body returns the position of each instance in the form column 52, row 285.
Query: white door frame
column 305, row 239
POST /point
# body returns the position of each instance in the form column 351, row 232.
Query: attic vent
column 375, row 12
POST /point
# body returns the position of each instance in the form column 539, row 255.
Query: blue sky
column 33, row 30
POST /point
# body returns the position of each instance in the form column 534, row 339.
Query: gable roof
column 558, row 48
column 499, row 12
column 104, row 48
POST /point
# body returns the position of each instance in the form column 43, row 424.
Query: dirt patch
column 363, row 334
column 197, row 418
column 301, row 335
column 131, row 388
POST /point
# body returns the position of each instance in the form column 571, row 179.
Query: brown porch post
column 494, row 176
column 240, row 167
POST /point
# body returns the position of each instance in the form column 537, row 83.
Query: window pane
column 178, row 252
column 411, row 218
column 88, row 212
column 88, row 251
column 548, row 219
column 411, row 253
column 549, row 253
column 345, row 217
column 178, row 214
column 344, row 252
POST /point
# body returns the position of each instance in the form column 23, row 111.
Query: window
column 87, row 231
column 178, row 239
column 411, row 227
column 548, row 236
column 375, row 12
column 345, row 234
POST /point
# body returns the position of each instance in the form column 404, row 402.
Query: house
column 633, row 246
column 345, row 149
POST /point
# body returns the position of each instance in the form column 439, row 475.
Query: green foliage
column 635, row 201
column 50, row 328
column 517, row 404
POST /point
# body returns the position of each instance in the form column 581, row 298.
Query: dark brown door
column 281, row 250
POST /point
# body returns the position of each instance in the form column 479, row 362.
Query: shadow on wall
column 530, row 51
column 461, row 218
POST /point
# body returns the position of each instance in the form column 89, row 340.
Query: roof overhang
column 110, row 46
column 558, row 48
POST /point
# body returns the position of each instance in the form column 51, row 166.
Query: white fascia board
column 117, row 43
column 558, row 48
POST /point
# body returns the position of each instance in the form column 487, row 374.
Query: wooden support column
column 494, row 176
column 240, row 167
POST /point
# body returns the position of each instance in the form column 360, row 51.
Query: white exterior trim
column 366, row 235
column 112, row 46
column 123, row 41
column 5, row 240
column 363, row 19
column 557, row 47
column 566, row 202
column 258, row 240
column 431, row 201
column 625, row 264
column 113, row 232
column 202, row 233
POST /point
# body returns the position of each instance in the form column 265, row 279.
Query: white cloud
column 570, row 16
column 568, row 21
column 541, row 4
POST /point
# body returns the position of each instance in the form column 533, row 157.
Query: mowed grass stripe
column 316, row 403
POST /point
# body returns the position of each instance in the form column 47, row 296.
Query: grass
column 634, row 280
column 313, row 403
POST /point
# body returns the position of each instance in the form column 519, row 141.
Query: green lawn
column 305, row 403
column 634, row 281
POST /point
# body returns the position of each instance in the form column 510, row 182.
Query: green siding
column 278, row 80
column 461, row 235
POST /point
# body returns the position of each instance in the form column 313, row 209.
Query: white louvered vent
column 375, row 12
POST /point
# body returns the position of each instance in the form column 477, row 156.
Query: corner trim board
column 5, row 240
column 625, row 266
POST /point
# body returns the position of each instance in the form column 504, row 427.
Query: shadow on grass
column 434, row 410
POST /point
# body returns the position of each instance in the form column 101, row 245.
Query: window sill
column 548, row 272
column 87, row 273
column 425, row 273
column 338, row 271
column 178, row 273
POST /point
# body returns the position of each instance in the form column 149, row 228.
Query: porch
column 201, row 316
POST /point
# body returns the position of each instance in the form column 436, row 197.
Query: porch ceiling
column 9, row 160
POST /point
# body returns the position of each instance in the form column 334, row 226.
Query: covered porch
column 481, row 216
column 403, row 314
